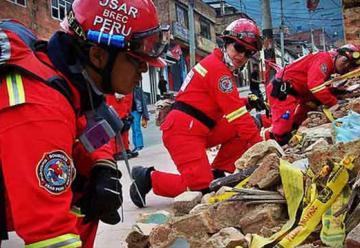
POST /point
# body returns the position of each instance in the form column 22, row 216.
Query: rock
column 353, row 238
column 320, row 143
column 199, row 208
column 263, row 215
column 257, row 152
column 227, row 238
column 160, row 237
column 355, row 105
column 334, row 153
column 137, row 240
column 267, row 174
column 186, row 201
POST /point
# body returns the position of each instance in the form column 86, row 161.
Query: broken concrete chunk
column 257, row 152
column 228, row 237
column 267, row 174
column 186, row 201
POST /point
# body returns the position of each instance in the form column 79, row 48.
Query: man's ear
column 98, row 56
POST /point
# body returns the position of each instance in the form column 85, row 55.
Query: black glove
column 127, row 121
column 255, row 102
column 103, row 194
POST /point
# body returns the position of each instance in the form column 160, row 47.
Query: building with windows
column 42, row 17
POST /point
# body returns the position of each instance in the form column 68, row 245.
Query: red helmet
column 245, row 32
column 129, row 24
column 352, row 52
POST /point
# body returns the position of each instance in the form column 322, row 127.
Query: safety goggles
column 151, row 43
column 242, row 49
column 249, row 38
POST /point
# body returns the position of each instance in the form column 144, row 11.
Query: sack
column 18, row 47
column 280, row 89
column 347, row 128
column 162, row 109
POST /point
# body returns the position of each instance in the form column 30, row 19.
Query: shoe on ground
column 137, row 149
column 132, row 154
column 142, row 177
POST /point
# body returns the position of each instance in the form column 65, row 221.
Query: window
column 59, row 8
column 19, row 2
column 182, row 16
column 205, row 28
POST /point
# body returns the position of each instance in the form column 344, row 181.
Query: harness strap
column 197, row 114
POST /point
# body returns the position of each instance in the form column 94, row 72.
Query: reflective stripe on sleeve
column 15, row 89
column 63, row 241
column 236, row 114
column 200, row 69
column 319, row 88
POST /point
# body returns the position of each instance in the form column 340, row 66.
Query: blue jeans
column 137, row 136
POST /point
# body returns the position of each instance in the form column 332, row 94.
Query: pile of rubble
column 305, row 194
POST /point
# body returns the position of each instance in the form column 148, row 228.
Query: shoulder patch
column 55, row 172
column 225, row 84
column 324, row 68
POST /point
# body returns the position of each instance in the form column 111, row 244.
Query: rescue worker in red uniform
column 301, row 86
column 44, row 99
column 122, row 105
column 208, row 111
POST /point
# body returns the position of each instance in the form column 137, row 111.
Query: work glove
column 103, row 194
column 127, row 121
column 255, row 102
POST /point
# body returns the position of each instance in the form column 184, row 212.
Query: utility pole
column 282, row 26
column 267, row 31
column 191, row 33
column 323, row 39
column 311, row 32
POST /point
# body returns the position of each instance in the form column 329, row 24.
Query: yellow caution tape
column 328, row 114
column 292, row 181
column 227, row 195
column 333, row 228
column 312, row 214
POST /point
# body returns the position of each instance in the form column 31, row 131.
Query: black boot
column 142, row 177
column 132, row 154
column 218, row 173
column 119, row 156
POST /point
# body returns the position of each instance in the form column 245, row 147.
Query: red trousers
column 186, row 139
column 285, row 114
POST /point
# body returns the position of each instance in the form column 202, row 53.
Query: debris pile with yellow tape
column 305, row 194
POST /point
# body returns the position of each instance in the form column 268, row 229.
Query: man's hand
column 103, row 194
column 144, row 122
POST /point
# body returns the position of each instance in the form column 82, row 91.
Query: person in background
column 58, row 177
column 141, row 117
column 208, row 111
column 255, row 82
column 122, row 104
column 162, row 85
column 301, row 86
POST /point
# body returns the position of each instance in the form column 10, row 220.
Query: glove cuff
column 105, row 163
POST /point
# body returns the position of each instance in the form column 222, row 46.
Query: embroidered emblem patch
column 55, row 172
column 225, row 84
column 324, row 68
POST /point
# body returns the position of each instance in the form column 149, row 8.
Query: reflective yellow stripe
column 63, row 241
column 15, row 88
column 319, row 87
column 236, row 114
column 200, row 69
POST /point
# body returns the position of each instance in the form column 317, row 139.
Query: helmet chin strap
column 228, row 62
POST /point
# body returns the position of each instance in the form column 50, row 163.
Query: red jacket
column 307, row 76
column 210, row 87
